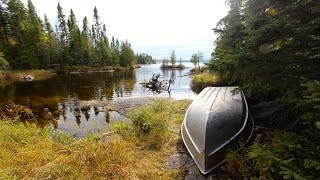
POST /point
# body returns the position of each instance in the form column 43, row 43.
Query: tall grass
column 27, row 152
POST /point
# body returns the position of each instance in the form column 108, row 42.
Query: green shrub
column 201, row 81
column 121, row 128
column 287, row 156
column 237, row 166
column 149, row 119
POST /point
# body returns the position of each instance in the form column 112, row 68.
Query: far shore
column 9, row 76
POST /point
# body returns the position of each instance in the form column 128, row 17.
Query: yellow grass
column 27, row 152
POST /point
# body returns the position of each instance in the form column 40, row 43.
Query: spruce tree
column 50, row 44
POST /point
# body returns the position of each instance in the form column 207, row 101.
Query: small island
column 171, row 64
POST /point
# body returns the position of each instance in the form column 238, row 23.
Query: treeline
column 145, row 59
column 271, row 49
column 27, row 42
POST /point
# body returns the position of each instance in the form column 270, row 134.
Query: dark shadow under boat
column 216, row 122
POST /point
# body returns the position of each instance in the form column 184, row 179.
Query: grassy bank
column 139, row 150
column 199, row 82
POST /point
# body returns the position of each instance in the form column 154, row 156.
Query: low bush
column 199, row 82
column 150, row 119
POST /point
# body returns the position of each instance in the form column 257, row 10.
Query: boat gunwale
column 224, row 160
column 242, row 128
column 203, row 172
column 186, row 129
column 207, row 113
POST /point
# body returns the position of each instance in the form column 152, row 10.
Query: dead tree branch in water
column 157, row 86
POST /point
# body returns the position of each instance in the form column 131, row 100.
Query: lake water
column 63, row 94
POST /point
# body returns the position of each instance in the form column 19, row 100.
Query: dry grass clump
column 199, row 82
column 29, row 152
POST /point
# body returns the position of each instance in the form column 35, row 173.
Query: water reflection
column 92, row 86
column 62, row 95
column 180, row 88
column 76, row 120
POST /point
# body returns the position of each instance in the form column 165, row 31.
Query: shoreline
column 10, row 76
column 7, row 77
column 98, row 155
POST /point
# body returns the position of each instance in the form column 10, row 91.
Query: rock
column 30, row 77
column 27, row 78
column 184, row 161
column 124, row 106
column 178, row 161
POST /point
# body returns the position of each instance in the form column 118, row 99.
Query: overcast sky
column 151, row 26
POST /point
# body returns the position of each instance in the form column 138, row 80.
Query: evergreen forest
column 30, row 42
column 271, row 49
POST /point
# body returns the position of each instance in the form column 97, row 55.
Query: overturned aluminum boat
column 217, row 121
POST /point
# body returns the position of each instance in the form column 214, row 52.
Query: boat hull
column 205, row 152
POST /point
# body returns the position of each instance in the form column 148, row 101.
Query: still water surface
column 63, row 95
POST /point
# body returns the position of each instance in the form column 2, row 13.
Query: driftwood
column 157, row 86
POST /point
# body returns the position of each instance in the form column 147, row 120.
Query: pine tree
column 86, row 43
column 75, row 45
column 173, row 59
column 17, row 20
column 85, row 28
column 4, row 26
column 63, row 31
column 105, row 47
column 33, row 39
column 127, row 56
column 115, row 54
column 50, row 44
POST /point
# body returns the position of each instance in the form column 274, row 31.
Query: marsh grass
column 27, row 152
column 199, row 82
